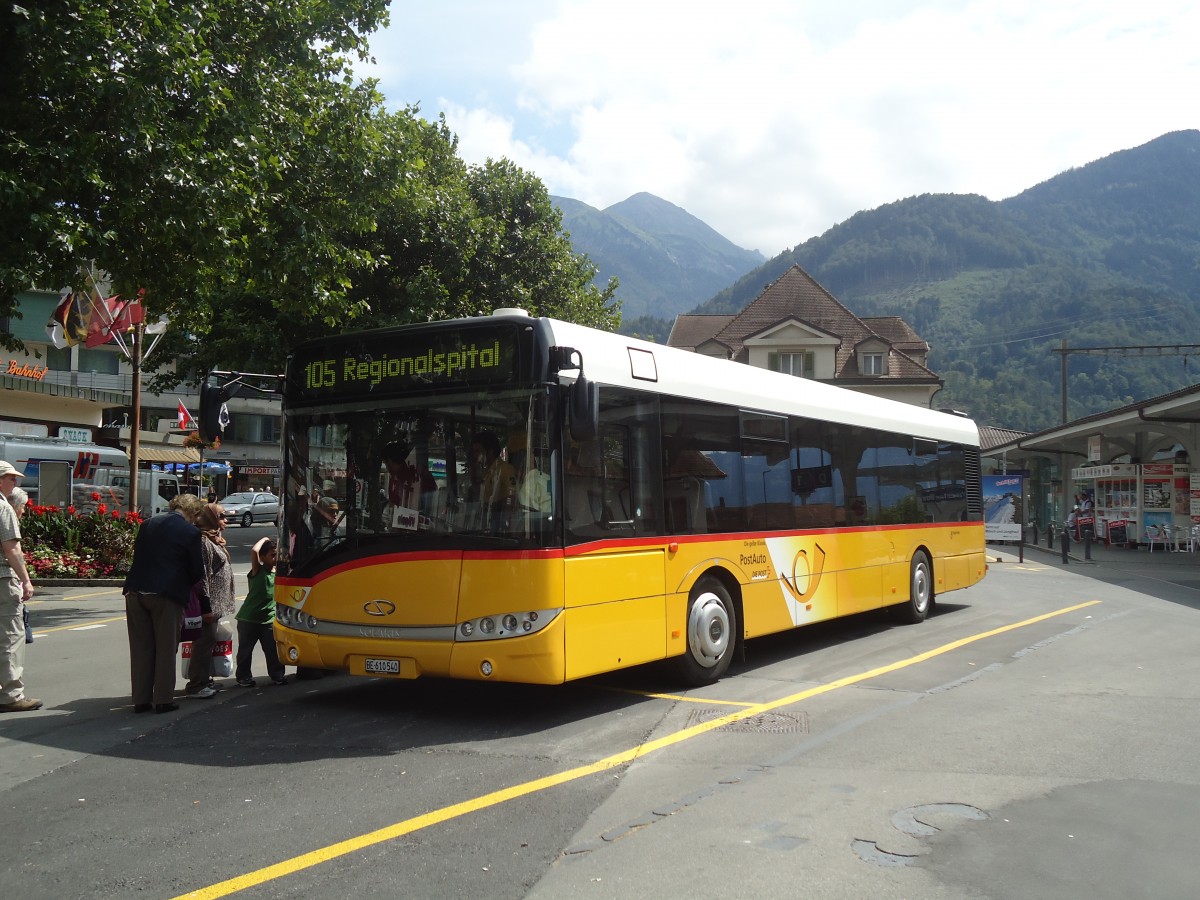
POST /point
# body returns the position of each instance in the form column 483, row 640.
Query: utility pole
column 1063, row 371
column 1135, row 350
column 135, row 361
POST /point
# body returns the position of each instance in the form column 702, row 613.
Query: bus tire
column 920, row 590
column 711, row 634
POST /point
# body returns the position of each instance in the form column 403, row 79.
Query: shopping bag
column 192, row 619
column 185, row 658
column 222, row 653
column 222, row 663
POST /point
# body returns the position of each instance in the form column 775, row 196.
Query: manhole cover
column 761, row 723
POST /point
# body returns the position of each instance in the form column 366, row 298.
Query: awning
column 160, row 454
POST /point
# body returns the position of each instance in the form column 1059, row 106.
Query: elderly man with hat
column 15, row 590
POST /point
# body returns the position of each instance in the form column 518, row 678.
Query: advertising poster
column 1003, row 510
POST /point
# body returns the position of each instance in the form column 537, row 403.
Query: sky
column 773, row 120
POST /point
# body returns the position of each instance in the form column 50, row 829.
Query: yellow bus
column 521, row 499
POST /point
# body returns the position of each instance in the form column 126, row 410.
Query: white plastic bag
column 222, row 653
column 222, row 663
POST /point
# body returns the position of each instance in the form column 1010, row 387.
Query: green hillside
column 1104, row 255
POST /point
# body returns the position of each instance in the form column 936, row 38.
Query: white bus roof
column 628, row 362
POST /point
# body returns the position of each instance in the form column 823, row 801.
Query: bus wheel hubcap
column 921, row 587
column 708, row 630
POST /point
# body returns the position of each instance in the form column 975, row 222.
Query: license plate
column 383, row 666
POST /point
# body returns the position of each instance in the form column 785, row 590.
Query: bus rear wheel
column 920, row 590
column 711, row 634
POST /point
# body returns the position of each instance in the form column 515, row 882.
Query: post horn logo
column 297, row 596
column 379, row 607
column 812, row 573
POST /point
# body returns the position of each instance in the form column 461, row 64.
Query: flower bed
column 68, row 543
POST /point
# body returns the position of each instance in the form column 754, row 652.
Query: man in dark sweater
column 167, row 566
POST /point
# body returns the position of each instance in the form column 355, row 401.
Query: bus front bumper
column 534, row 659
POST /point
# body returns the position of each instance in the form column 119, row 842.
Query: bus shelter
column 1066, row 460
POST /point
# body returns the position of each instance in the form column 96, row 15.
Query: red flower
column 71, row 510
column 95, row 495
column 102, row 508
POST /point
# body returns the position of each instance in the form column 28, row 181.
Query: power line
column 1056, row 327
column 1184, row 350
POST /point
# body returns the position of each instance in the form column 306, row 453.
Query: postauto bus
column 523, row 499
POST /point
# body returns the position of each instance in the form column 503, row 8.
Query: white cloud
column 774, row 120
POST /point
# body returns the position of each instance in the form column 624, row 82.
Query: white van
column 91, row 469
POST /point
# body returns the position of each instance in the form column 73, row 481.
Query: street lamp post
column 135, row 360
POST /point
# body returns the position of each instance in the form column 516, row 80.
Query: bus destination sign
column 391, row 363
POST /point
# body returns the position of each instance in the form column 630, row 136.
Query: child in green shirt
column 256, row 617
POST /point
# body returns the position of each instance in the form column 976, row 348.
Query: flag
column 102, row 324
column 117, row 317
column 186, row 422
column 70, row 321
column 131, row 314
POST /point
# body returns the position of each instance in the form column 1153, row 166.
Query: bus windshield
column 455, row 471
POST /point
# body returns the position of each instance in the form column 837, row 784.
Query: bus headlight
column 506, row 625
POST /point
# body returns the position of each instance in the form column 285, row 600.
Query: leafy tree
column 450, row 240
column 222, row 158
column 188, row 146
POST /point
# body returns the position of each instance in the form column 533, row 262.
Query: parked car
column 249, row 507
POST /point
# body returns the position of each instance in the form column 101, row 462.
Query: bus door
column 614, row 579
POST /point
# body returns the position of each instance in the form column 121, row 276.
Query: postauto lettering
column 374, row 371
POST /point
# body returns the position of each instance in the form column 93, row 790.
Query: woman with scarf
column 218, row 573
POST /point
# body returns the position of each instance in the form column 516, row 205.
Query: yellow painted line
column 475, row 804
column 680, row 698
column 116, row 591
column 77, row 626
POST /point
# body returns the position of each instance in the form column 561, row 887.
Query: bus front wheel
column 920, row 590
column 711, row 634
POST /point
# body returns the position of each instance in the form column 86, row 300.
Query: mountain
column 1104, row 255
column 664, row 257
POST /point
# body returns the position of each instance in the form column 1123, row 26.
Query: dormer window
column 872, row 363
column 799, row 363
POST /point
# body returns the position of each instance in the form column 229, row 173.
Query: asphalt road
column 1035, row 738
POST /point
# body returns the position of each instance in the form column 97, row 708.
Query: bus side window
column 684, row 500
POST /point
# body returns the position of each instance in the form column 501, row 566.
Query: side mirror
column 214, row 415
column 583, row 409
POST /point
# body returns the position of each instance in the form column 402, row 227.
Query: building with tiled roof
column 689, row 330
column 797, row 326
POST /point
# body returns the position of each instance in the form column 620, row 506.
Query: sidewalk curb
column 79, row 582
column 1014, row 554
